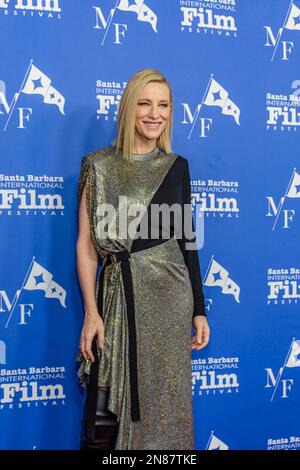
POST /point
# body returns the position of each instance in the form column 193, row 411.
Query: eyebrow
column 145, row 99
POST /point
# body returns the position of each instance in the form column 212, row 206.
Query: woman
column 135, row 345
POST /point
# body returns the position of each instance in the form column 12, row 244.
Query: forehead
column 155, row 90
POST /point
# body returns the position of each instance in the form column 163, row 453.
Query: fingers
column 88, row 347
column 82, row 346
column 93, row 330
column 101, row 338
column 195, row 344
column 206, row 334
column 200, row 339
column 86, row 344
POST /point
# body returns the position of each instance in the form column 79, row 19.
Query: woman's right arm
column 87, row 265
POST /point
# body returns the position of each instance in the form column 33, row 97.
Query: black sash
column 92, row 386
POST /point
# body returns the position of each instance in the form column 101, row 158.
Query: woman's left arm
column 200, row 323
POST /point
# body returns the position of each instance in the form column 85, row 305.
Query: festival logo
column 215, row 95
column 36, row 195
column 283, row 286
column 31, row 8
column 35, row 82
column 217, row 18
column 36, row 278
column 217, row 275
column 215, row 376
column 114, row 24
column 108, row 95
column 214, row 443
column 32, row 387
column 282, row 110
column 282, row 41
column 281, row 384
column 217, row 199
column 284, row 443
column 285, row 210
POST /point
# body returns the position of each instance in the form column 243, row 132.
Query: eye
column 162, row 104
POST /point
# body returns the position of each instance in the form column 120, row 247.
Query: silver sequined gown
column 167, row 293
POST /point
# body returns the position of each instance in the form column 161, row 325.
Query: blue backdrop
column 233, row 66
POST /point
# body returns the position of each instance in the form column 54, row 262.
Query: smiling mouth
column 152, row 124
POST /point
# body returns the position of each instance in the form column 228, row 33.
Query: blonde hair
column 127, row 110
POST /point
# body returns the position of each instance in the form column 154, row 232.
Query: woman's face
column 153, row 110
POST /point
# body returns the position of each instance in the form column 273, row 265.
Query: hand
column 93, row 325
column 202, row 332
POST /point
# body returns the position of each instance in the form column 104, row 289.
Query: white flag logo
column 292, row 360
column 294, row 190
column 217, row 275
column 218, row 96
column 37, row 83
column 144, row 13
column 216, row 444
column 294, row 357
column 293, row 20
column 41, row 279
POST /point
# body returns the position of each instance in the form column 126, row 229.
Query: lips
column 152, row 125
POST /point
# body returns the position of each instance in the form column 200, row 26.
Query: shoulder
column 181, row 162
column 99, row 153
column 98, row 156
column 182, row 168
column 179, row 158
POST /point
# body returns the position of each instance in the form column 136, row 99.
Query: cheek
column 138, row 119
column 140, row 113
column 166, row 117
column 166, row 114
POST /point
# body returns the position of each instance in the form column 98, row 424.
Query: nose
column 154, row 113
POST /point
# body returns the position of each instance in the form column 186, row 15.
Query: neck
column 142, row 146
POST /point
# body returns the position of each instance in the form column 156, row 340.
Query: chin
column 151, row 136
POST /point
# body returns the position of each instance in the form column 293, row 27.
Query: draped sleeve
column 191, row 255
column 87, row 179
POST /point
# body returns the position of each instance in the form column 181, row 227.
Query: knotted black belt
column 92, row 388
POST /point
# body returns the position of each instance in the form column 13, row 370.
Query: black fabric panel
column 175, row 188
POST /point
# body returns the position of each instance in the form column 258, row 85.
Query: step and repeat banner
column 234, row 69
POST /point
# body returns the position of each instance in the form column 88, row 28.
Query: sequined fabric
column 163, row 307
